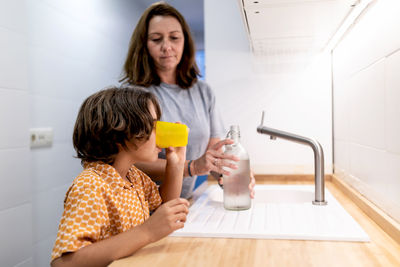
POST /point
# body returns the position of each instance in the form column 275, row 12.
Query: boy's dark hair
column 139, row 67
column 112, row 117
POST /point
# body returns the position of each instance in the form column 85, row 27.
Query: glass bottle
column 236, row 185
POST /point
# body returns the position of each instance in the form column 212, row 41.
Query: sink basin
column 274, row 195
column 277, row 212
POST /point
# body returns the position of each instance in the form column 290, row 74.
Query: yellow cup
column 171, row 134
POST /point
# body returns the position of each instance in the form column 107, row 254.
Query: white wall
column 53, row 55
column 15, row 189
column 295, row 100
column 366, row 106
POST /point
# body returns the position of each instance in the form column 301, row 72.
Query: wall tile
column 54, row 166
column 366, row 106
column 15, row 177
column 44, row 109
column 365, row 59
column 55, row 31
column 47, row 213
column 14, row 117
column 368, row 164
column 13, row 15
column 392, row 107
column 26, row 263
column 66, row 55
column 371, row 39
column 77, row 40
column 341, row 109
column 16, row 235
column 13, row 62
column 70, row 79
column 42, row 251
column 392, row 177
column 387, row 13
column 109, row 19
column 341, row 155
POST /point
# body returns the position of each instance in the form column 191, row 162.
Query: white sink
column 268, row 194
column 277, row 212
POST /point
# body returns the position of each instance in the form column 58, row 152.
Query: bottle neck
column 235, row 136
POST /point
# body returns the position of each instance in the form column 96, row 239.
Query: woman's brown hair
column 139, row 68
column 110, row 118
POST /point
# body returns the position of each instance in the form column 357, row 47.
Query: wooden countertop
column 209, row 252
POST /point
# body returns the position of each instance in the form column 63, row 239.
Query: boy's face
column 147, row 150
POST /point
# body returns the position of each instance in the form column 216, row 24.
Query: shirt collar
column 109, row 174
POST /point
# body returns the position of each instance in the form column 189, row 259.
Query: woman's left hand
column 215, row 160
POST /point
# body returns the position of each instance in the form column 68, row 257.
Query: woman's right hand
column 215, row 160
column 169, row 217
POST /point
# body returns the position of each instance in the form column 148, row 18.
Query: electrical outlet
column 41, row 137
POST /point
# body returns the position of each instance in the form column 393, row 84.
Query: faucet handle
column 262, row 118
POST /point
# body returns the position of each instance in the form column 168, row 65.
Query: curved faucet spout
column 319, row 174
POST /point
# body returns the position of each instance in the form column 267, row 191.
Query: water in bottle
column 236, row 185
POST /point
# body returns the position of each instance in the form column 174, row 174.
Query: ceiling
column 289, row 27
column 285, row 33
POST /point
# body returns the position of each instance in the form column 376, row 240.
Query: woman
column 161, row 58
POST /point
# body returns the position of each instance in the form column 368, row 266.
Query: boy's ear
column 128, row 144
column 122, row 147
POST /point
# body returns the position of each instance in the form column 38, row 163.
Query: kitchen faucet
column 318, row 157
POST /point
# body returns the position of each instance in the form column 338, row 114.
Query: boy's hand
column 167, row 218
column 176, row 155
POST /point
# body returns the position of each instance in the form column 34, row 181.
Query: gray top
column 196, row 108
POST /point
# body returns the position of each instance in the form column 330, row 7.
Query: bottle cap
column 234, row 132
column 171, row 134
column 235, row 128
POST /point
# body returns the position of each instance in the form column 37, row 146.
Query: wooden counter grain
column 209, row 252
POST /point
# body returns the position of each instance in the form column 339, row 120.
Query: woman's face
column 165, row 42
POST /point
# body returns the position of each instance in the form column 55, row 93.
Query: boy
column 106, row 209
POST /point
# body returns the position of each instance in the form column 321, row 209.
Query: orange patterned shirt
column 100, row 204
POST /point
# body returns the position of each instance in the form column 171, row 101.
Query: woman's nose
column 166, row 45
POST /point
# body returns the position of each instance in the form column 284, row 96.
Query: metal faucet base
column 320, row 203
